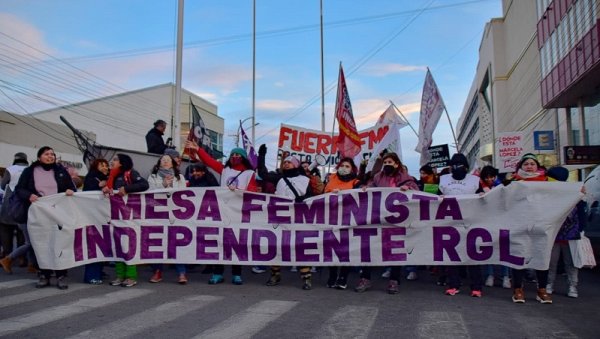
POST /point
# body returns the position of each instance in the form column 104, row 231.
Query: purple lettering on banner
column 151, row 203
column 209, row 208
column 485, row 252
column 131, row 237
column 174, row 241
column 286, row 245
column 257, row 236
column 187, row 206
column 302, row 246
column 424, row 204
column 121, row 210
column 231, row 244
column 202, row 243
column 365, row 242
column 333, row 209
column 340, row 246
column 147, row 242
column 388, row 245
column 93, row 239
column 449, row 207
column 375, row 208
column 248, row 205
column 78, row 244
column 313, row 214
column 277, row 204
column 352, row 208
column 401, row 210
column 445, row 238
column 505, row 255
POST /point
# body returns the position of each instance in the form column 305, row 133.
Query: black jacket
column 155, row 142
column 26, row 185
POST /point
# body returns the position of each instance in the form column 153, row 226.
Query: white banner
column 307, row 143
column 432, row 107
column 514, row 226
column 510, row 147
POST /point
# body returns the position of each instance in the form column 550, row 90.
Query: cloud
column 25, row 41
column 381, row 70
column 275, row 105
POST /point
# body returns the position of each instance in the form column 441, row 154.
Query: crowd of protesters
column 294, row 180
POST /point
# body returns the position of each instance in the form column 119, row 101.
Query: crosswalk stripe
column 539, row 327
column 16, row 283
column 350, row 322
column 148, row 319
column 54, row 313
column 250, row 321
column 437, row 325
column 37, row 294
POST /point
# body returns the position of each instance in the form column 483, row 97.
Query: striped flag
column 348, row 142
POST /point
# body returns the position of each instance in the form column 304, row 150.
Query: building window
column 592, row 124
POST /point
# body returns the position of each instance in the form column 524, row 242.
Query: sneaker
column 363, row 285
column 294, row 269
column 215, row 279
column 452, row 291
column 549, row 289
column 182, row 280
column 61, row 283
column 572, row 292
column 489, row 282
column 441, row 281
column 386, row 273
column 412, row 276
column 156, row 277
column 341, row 284
column 128, row 282
column 237, row 280
column 116, row 282
column 543, row 297
column 258, row 269
column 42, row 282
column 274, row 280
column 518, row 296
column 393, row 287
column 476, row 294
column 506, row 282
column 331, row 283
column 6, row 263
column 306, row 284
column 95, row 282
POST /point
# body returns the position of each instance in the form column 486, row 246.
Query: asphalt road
column 199, row 310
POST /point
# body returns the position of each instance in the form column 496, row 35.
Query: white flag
column 432, row 107
column 391, row 140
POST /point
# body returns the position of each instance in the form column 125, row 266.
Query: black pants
column 220, row 269
column 453, row 277
column 59, row 273
column 394, row 274
column 541, row 276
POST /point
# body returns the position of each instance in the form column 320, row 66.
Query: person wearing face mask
column 460, row 182
column 236, row 174
column 392, row 174
column 344, row 178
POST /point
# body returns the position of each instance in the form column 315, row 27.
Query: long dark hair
column 173, row 162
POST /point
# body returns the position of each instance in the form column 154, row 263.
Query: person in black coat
column 154, row 138
column 45, row 177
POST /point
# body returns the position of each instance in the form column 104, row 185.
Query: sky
column 112, row 46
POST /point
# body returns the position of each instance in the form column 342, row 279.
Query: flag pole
column 452, row 129
column 335, row 115
column 322, row 76
column 399, row 111
column 253, row 71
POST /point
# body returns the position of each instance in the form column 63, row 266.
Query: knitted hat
column 558, row 173
column 239, row 151
column 172, row 152
column 292, row 159
column 21, row 156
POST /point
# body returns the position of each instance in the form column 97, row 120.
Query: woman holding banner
column 124, row 179
column 391, row 175
column 529, row 169
column 165, row 174
column 344, row 178
column 236, row 174
column 45, row 177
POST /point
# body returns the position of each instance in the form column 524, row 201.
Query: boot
column 43, row 282
column 6, row 263
column 543, row 296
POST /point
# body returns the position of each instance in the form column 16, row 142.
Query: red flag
column 348, row 141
